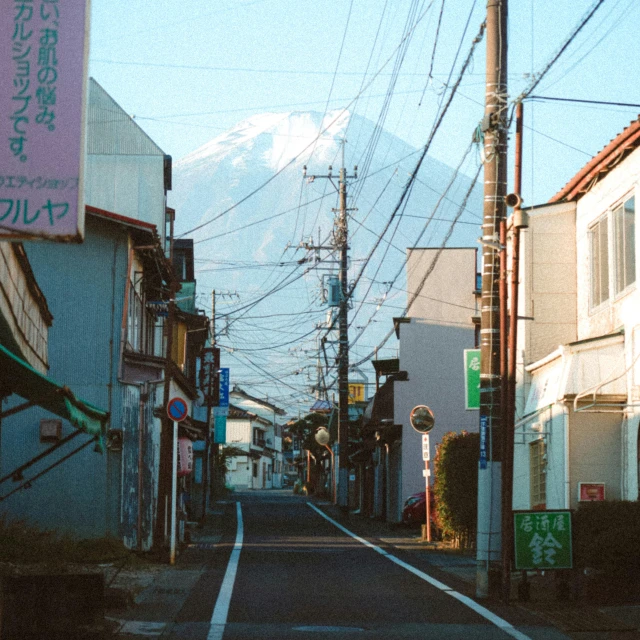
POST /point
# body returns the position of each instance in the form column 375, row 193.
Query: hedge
column 606, row 537
column 456, row 486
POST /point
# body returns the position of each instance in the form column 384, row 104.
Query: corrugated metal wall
column 84, row 287
column 124, row 170
column 135, row 468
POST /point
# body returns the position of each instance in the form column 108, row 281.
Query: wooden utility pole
column 341, row 241
column 341, row 244
column 494, row 127
column 519, row 220
column 166, row 431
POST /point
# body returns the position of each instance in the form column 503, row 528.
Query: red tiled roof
column 601, row 164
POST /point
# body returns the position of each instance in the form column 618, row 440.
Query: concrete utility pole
column 494, row 127
column 341, row 244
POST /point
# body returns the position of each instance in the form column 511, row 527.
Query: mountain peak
column 284, row 136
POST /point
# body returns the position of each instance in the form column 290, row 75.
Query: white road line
column 221, row 610
column 472, row 604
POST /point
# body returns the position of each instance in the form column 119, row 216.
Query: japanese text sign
column 472, row 378
column 426, row 454
column 542, row 540
column 484, row 423
column 224, row 387
column 43, row 56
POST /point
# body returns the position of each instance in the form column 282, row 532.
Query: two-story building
column 266, row 437
column 109, row 297
column 438, row 326
column 578, row 405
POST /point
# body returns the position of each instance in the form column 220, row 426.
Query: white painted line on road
column 472, row 604
column 221, row 610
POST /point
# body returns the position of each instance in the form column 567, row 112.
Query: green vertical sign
column 543, row 539
column 472, row 378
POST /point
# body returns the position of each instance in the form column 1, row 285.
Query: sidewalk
column 145, row 601
column 578, row 619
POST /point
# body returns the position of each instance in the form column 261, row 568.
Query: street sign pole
column 174, row 493
column 177, row 411
column 427, row 473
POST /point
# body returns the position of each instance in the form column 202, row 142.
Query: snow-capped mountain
column 243, row 199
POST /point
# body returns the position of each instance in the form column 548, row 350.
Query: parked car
column 415, row 509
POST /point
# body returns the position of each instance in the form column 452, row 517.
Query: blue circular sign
column 177, row 409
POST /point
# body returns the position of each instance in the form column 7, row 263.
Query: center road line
column 221, row 610
column 472, row 604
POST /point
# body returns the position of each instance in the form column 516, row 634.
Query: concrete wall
column 431, row 352
column 595, row 446
column 548, row 290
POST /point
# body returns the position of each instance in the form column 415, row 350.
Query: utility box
column 334, row 293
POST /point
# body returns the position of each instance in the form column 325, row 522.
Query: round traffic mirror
column 422, row 419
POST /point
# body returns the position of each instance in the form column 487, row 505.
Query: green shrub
column 456, row 486
column 606, row 536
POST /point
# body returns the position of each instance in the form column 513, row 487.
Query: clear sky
column 188, row 70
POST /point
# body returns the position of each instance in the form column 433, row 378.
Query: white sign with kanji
column 425, row 447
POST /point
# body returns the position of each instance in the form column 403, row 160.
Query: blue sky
column 188, row 70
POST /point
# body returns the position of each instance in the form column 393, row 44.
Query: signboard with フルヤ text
column 43, row 63
column 542, row 540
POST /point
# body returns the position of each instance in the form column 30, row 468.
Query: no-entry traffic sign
column 177, row 409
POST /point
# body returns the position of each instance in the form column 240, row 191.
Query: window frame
column 538, row 474
column 594, row 232
column 620, row 207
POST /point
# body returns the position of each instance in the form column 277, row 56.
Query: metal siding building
column 80, row 494
column 92, row 494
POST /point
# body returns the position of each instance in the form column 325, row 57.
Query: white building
column 578, row 403
column 263, row 436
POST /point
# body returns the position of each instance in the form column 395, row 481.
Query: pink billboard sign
column 43, row 61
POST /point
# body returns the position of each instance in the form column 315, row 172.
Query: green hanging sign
column 472, row 378
column 542, row 540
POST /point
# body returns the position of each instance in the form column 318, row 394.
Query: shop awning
column 17, row 376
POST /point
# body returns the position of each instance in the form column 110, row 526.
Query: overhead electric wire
column 295, row 158
column 434, row 129
column 539, row 76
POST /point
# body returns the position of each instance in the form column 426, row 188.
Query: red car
column 414, row 510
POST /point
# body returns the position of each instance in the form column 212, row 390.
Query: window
column 624, row 244
column 538, row 474
column 599, row 250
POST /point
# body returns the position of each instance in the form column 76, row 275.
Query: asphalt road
column 287, row 572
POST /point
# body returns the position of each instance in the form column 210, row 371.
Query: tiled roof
column 603, row 162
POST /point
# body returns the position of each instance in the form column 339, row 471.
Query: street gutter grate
column 582, row 619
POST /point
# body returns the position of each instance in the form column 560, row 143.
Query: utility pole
column 494, row 127
column 341, row 244
column 519, row 221
column 166, row 437
column 207, row 381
